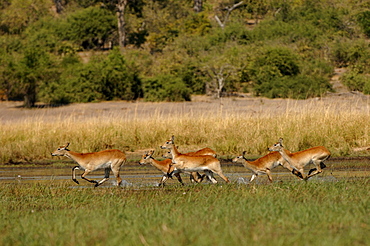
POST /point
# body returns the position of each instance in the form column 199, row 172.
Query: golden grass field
column 229, row 125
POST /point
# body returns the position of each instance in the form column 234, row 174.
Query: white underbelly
column 191, row 169
column 101, row 166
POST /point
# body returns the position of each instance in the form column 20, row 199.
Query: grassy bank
column 292, row 213
column 229, row 134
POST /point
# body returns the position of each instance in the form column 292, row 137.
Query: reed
column 228, row 133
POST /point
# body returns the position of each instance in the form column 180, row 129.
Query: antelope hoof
column 75, row 180
column 201, row 178
column 297, row 173
column 311, row 171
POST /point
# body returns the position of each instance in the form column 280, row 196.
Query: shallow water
column 135, row 175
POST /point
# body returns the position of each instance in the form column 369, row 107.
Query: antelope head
column 146, row 157
column 169, row 143
column 240, row 157
column 61, row 151
column 277, row 146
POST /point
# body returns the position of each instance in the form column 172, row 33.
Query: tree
column 21, row 13
column 219, row 74
column 90, row 27
column 228, row 12
column 34, row 67
column 119, row 7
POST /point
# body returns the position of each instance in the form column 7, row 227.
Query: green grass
column 287, row 213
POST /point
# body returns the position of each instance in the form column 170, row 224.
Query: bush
column 355, row 79
column 298, row 87
column 193, row 78
column 103, row 78
column 18, row 14
column 49, row 34
column 197, row 24
column 367, row 86
column 322, row 14
column 232, row 32
column 90, row 27
column 345, row 52
column 282, row 60
column 166, row 88
column 363, row 19
column 118, row 79
column 277, row 73
column 271, row 64
column 79, row 84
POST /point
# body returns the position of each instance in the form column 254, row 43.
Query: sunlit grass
column 289, row 213
column 229, row 135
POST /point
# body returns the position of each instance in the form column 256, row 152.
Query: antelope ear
column 244, row 153
column 66, row 145
column 281, row 141
column 151, row 152
column 173, row 138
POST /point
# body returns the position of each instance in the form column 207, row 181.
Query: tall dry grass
column 227, row 133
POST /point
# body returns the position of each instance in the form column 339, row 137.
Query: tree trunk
column 198, row 6
column 121, row 6
column 58, row 6
column 30, row 96
column 221, row 83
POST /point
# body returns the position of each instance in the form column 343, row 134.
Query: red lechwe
column 165, row 167
column 263, row 165
column 111, row 159
column 185, row 163
column 298, row 160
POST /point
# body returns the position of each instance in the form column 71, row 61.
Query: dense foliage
column 63, row 51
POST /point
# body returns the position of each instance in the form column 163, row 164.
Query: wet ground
column 142, row 176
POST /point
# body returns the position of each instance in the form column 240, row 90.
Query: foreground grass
column 289, row 213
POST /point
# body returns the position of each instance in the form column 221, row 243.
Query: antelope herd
column 194, row 163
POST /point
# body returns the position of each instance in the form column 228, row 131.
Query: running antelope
column 165, row 167
column 262, row 165
column 205, row 151
column 186, row 163
column 111, row 159
column 298, row 160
